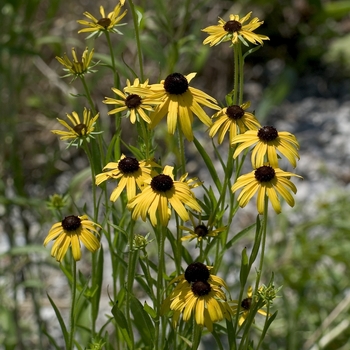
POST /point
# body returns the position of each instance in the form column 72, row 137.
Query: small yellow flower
column 199, row 293
column 69, row 232
column 234, row 30
column 158, row 193
column 234, row 119
column 267, row 140
column 79, row 131
column 130, row 172
column 245, row 307
column 179, row 102
column 269, row 181
column 75, row 67
column 105, row 23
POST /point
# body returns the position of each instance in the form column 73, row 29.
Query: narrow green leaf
column 97, row 281
column 149, row 310
column 122, row 325
column 238, row 236
column 245, row 268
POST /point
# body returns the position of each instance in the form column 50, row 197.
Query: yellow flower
column 79, row 131
column 134, row 104
column 179, row 101
column 69, row 232
column 267, row 140
column 269, row 181
column 234, row 119
column 131, row 174
column 245, row 307
column 235, row 30
column 199, row 293
column 105, row 23
column 75, row 67
column 158, row 193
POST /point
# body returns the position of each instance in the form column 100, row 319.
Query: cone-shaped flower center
column 128, row 165
column 71, row 223
column 104, row 22
column 265, row 173
column 162, row 183
column 267, row 133
column 80, row 129
column 133, row 101
column 235, row 112
column 175, row 84
column 197, row 272
column 232, row 26
column 201, row 288
column 201, row 230
column 246, row 303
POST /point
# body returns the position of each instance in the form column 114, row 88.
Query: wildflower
column 198, row 292
column 233, row 118
column 130, row 172
column 75, row 67
column 107, row 23
column 200, row 231
column 69, row 232
column 245, row 307
column 267, row 181
column 79, row 131
column 158, row 193
column 267, row 140
column 234, row 30
column 134, row 104
column 179, row 101
column 140, row 242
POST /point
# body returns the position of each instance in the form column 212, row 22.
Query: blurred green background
column 307, row 38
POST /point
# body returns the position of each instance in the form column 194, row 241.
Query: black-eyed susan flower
column 234, row 119
column 79, row 130
column 234, row 30
column 269, row 181
column 179, row 102
column 77, row 67
column 135, row 105
column 131, row 174
column 161, row 191
column 245, row 307
column 198, row 293
column 70, row 232
column 107, row 23
column 267, row 141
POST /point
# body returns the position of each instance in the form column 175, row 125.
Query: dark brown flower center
column 104, row 22
column 201, row 288
column 246, row 303
column 175, row 84
column 71, row 223
column 265, row 173
column 235, row 112
column 133, row 101
column 267, row 133
column 162, row 183
column 232, row 26
column 201, row 230
column 128, row 165
column 80, row 129
column 197, row 272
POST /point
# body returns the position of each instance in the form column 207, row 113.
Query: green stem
column 182, row 149
column 236, row 72
column 88, row 95
column 114, row 68
column 70, row 344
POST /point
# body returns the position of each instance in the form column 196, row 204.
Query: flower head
column 200, row 293
column 78, row 131
column 131, row 174
column 234, row 30
column 69, row 232
column 107, row 23
column 234, row 119
column 160, row 191
column 269, row 181
column 179, row 101
column 75, row 67
column 245, row 307
column 267, row 140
